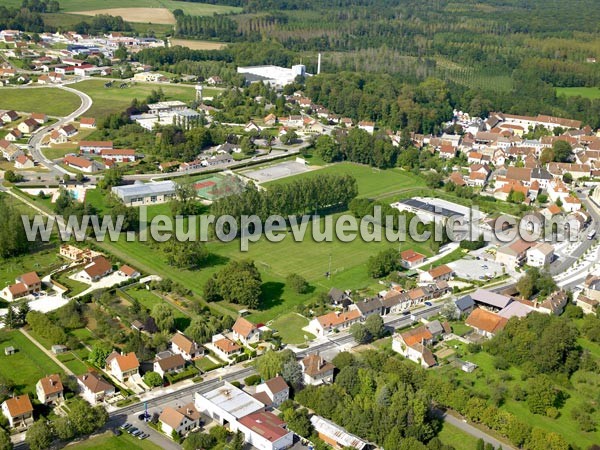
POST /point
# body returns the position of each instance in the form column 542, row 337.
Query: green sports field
column 585, row 92
column 372, row 182
column 51, row 101
column 110, row 100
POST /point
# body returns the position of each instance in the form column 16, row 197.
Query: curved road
column 35, row 142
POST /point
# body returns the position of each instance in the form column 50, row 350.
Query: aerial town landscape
column 170, row 171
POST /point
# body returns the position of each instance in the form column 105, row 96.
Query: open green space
column 27, row 365
column 451, row 435
column 289, row 327
column 149, row 300
column 585, row 92
column 108, row 441
column 114, row 99
column 71, row 360
column 371, row 181
column 41, row 262
column 486, row 379
column 51, row 101
column 75, row 287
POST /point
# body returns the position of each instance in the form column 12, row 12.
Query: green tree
column 360, row 333
column 64, row 429
column 40, row 435
column 5, row 442
column 85, row 418
column 240, row 282
column 327, row 148
column 563, row 152
column 99, row 354
column 297, row 283
column 374, row 326
column 298, row 421
column 198, row 440
column 271, row 363
column 163, row 316
column 383, row 263
column 292, row 374
column 153, row 379
column 541, row 394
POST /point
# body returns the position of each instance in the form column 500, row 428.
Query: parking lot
column 476, row 269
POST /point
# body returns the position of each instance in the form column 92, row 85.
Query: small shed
column 58, row 349
column 10, row 350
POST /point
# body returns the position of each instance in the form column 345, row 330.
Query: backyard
column 27, row 365
column 289, row 327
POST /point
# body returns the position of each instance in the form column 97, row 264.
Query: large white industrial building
column 274, row 75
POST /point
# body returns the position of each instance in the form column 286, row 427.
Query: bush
column 187, row 373
column 252, row 380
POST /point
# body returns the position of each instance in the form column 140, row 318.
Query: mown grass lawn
column 51, row 101
column 451, row 435
column 70, row 360
column 371, row 181
column 41, row 262
column 149, row 300
column 289, row 326
column 111, row 100
column 585, row 92
column 109, row 441
column 28, row 365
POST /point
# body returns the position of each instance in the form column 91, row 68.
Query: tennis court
column 217, row 186
column 277, row 171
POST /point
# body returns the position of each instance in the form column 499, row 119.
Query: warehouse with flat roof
column 139, row 193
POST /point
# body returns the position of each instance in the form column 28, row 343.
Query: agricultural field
column 28, row 365
column 111, row 100
column 144, row 15
column 51, row 101
column 198, row 45
column 585, row 92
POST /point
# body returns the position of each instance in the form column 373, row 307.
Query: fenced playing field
column 217, row 186
column 277, row 171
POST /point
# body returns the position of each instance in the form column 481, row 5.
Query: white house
column 94, row 388
column 245, row 331
column 275, row 390
column 540, row 255
column 412, row 345
column 122, row 366
column 186, row 347
column 369, row 127
column 98, row 268
column 50, row 390
column 315, row 370
column 171, row 363
column 19, row 412
column 181, row 420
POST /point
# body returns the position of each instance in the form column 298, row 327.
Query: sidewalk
column 47, row 352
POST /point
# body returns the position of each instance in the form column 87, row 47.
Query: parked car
column 132, row 430
column 428, row 304
column 125, row 426
column 143, row 436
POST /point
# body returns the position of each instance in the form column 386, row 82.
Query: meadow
column 585, row 92
column 111, row 100
column 198, row 45
column 28, row 365
column 51, row 101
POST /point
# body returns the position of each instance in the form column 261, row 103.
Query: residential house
column 339, row 297
column 14, row 135
column 369, row 127
column 40, row 118
column 24, row 162
column 94, row 388
column 442, row 272
column 409, row 259
column 554, row 304
column 588, row 305
column 68, row 130
column 336, row 436
column 129, row 272
column 87, row 122
column 95, row 146
column 464, row 305
column 186, row 347
column 214, row 80
column 26, row 284
column 98, row 268
column 265, row 431
column 478, row 175
column 251, row 126
column 224, row 347
column 180, row 420
column 9, row 116
column 447, row 151
column 540, row 255
column 273, row 392
column 28, row 126
column 571, row 204
column 167, row 362
column 412, row 344
column 270, row 120
column 368, row 307
column 19, row 412
column 83, row 164
column 122, row 366
column 514, row 254
column 335, row 320
column 50, row 390
column 486, row 323
column 120, row 155
column 315, row 370
column 58, row 138
column 557, row 189
column 245, row 331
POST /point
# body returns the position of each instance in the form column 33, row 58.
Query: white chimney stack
column 319, row 64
